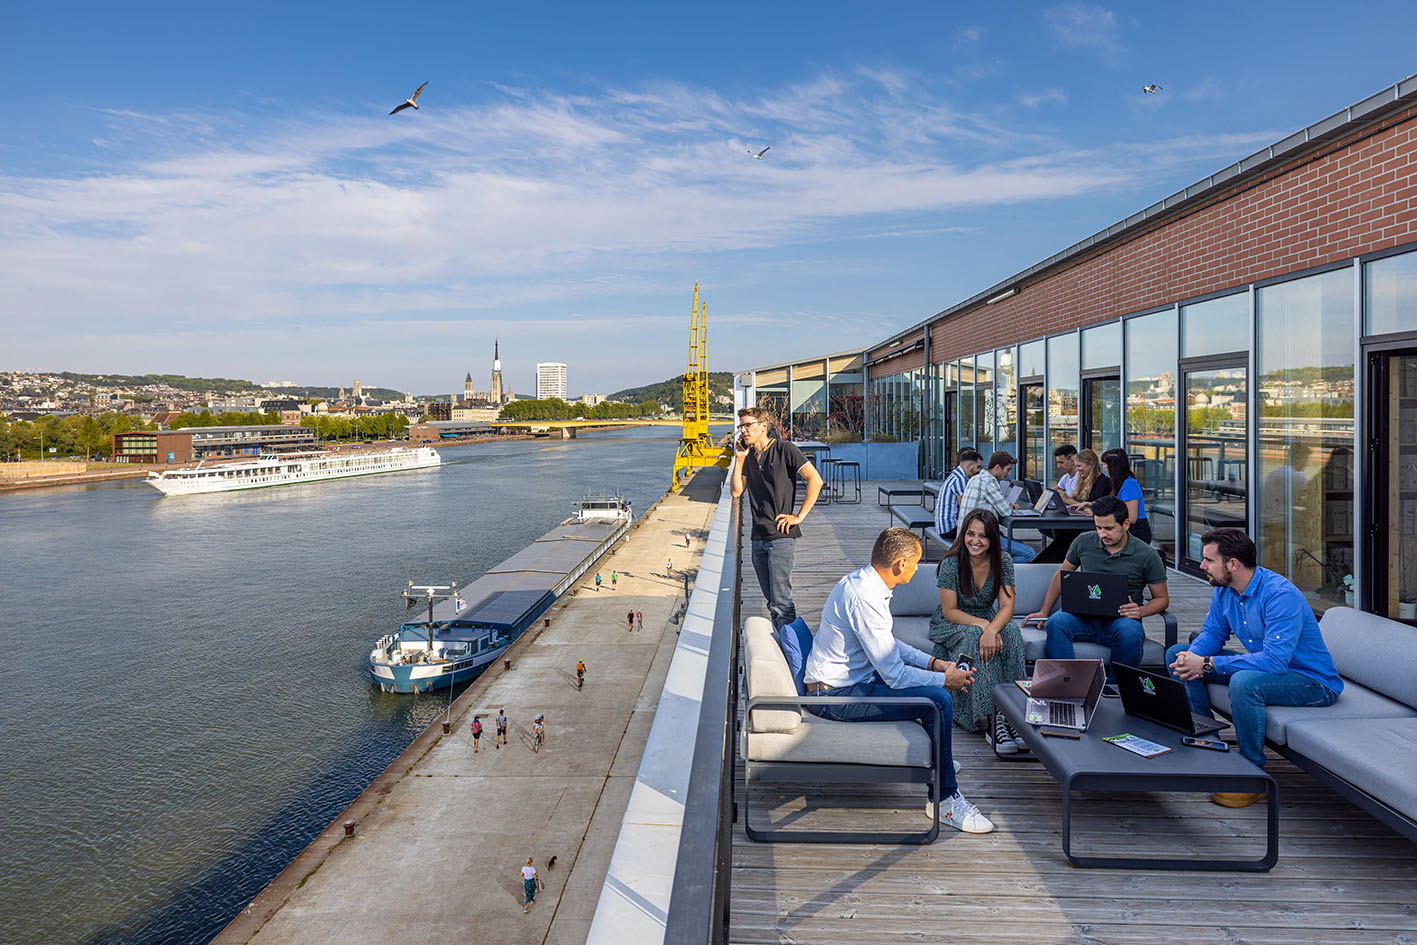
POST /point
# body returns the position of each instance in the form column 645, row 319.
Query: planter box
column 882, row 460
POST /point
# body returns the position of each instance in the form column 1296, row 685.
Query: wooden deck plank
column 1342, row 876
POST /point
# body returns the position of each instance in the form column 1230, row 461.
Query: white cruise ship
column 282, row 469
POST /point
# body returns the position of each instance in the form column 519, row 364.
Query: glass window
column 1063, row 389
column 984, row 403
column 1151, row 421
column 772, row 397
column 1305, row 432
column 1216, row 327
column 1030, row 359
column 846, row 405
column 966, row 402
column 1006, row 401
column 1390, row 294
column 1102, row 346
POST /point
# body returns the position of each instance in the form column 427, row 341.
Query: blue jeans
column 1124, row 635
column 875, row 686
column 772, row 560
column 1019, row 551
column 1250, row 691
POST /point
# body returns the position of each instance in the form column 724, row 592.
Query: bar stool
column 827, row 466
column 841, row 469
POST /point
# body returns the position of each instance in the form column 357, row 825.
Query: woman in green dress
column 975, row 619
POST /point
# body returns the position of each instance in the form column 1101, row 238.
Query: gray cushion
column 861, row 743
column 765, row 673
column 1355, row 703
column 1377, row 652
column 1378, row 756
column 918, row 598
column 1030, row 587
column 915, row 631
column 1153, row 653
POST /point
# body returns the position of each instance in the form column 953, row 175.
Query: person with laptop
column 975, row 618
column 968, row 462
column 1089, row 482
column 1285, row 663
column 1106, row 555
column 1064, row 461
column 983, row 492
column 1126, row 488
column 855, row 653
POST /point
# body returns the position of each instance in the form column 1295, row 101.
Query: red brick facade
column 1355, row 196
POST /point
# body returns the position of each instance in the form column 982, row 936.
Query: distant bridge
column 566, row 429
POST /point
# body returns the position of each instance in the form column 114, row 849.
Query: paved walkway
column 443, row 833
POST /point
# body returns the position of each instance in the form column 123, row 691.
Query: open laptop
column 1064, row 693
column 1159, row 698
column 1048, row 499
column 1093, row 593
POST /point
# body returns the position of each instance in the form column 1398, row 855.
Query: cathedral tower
column 496, row 394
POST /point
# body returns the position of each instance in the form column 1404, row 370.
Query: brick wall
column 1356, row 197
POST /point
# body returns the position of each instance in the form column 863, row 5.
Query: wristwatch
column 1208, row 667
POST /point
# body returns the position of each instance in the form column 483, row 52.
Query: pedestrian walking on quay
column 476, row 727
column 639, row 620
column 686, row 539
column 529, row 878
column 630, row 619
column 669, row 566
column 597, row 580
column 501, row 728
column 538, row 729
column 580, row 673
column 614, row 580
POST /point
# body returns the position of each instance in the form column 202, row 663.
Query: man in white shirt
column 855, row 654
column 1065, row 462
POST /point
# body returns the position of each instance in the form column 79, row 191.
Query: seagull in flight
column 411, row 102
column 1151, row 89
column 759, row 154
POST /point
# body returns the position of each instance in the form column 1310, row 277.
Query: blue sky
column 218, row 189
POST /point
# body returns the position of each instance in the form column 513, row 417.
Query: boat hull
column 239, row 477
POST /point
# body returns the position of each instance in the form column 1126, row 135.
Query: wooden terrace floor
column 1342, row 877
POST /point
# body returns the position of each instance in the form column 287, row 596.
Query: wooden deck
column 1342, row 877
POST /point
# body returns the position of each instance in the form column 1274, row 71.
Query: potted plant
column 1348, row 589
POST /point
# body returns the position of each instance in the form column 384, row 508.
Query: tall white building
column 550, row 380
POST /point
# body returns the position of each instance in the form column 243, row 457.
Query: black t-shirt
column 771, row 480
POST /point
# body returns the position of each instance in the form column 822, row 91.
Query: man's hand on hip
column 785, row 522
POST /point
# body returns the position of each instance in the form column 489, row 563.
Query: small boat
column 467, row 628
column 279, row 469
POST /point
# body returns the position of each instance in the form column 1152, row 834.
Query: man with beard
column 1286, row 662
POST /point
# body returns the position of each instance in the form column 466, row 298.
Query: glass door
column 1392, row 530
column 1031, row 442
column 1215, row 467
column 1102, row 413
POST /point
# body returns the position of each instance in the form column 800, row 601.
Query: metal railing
column 698, row 902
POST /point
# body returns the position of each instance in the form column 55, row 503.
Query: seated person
column 1126, row 488
column 983, row 492
column 975, row 617
column 1108, row 548
column 1286, row 662
column 855, row 654
column 968, row 462
column 1065, row 462
column 1089, row 483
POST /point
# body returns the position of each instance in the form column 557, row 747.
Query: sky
column 218, row 189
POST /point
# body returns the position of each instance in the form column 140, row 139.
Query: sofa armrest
column 1169, row 620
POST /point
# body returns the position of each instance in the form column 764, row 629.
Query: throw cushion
column 796, row 642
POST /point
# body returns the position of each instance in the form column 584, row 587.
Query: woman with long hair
column 1125, row 488
column 1090, row 482
column 975, row 619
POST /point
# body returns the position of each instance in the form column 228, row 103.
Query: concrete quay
column 441, row 835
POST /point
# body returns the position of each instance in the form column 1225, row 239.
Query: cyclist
column 580, row 673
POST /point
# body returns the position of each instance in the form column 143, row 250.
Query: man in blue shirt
column 855, row 653
column 1286, row 662
column 968, row 462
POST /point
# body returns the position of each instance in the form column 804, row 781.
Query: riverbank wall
column 439, row 837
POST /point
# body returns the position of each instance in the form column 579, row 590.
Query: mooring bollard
column 349, row 828
column 507, row 663
column 546, row 622
column 447, row 726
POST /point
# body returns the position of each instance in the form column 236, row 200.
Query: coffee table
column 1091, row 764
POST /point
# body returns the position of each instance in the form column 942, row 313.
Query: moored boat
column 280, row 469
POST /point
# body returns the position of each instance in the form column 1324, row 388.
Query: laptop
column 1064, row 693
column 1093, row 593
column 1159, row 698
column 1041, row 507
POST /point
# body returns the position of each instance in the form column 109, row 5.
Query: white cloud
column 1035, row 99
column 1086, row 27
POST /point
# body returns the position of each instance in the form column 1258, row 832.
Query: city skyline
column 246, row 187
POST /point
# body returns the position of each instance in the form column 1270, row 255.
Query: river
column 186, row 708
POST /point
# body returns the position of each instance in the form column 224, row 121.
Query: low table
column 1090, row 764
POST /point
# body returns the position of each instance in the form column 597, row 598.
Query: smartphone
column 1211, row 743
column 965, row 662
column 742, row 442
column 1060, row 732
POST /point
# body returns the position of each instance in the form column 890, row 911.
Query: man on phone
column 855, row 653
column 1111, row 549
column 1285, row 663
column 768, row 469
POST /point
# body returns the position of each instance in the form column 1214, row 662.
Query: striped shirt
column 983, row 492
column 947, row 502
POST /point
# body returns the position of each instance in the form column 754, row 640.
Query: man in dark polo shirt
column 769, row 469
column 1111, row 549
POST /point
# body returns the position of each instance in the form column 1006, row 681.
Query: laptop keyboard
column 1063, row 713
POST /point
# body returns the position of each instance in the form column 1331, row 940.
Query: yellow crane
column 697, row 448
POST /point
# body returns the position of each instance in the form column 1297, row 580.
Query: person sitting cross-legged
column 1109, row 548
column 855, row 653
column 1286, row 662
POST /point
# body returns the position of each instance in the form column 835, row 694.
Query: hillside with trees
column 557, row 409
column 671, row 392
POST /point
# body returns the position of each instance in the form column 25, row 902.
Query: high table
column 1091, row 764
column 1057, row 522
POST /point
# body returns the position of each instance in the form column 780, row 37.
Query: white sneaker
column 1001, row 738
column 956, row 764
column 961, row 815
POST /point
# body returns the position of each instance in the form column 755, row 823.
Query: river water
column 184, row 705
